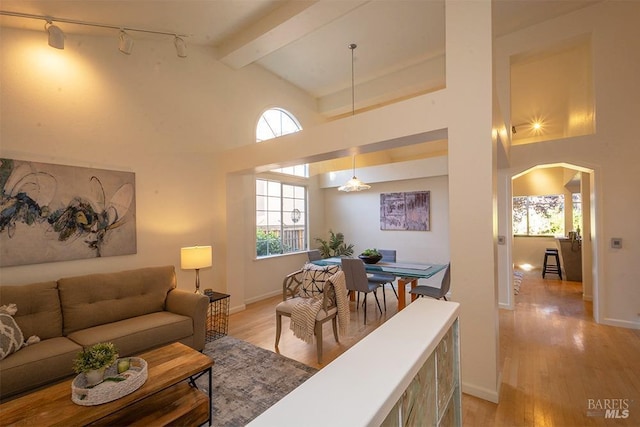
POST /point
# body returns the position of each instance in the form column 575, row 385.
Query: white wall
column 612, row 152
column 357, row 215
column 530, row 250
column 162, row 117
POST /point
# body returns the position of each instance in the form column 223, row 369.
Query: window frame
column 301, row 236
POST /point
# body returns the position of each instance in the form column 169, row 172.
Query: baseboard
column 237, row 308
column 587, row 298
column 252, row 300
column 263, row 296
column 621, row 323
column 505, row 306
column 481, row 392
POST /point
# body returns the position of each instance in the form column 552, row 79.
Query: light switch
column 501, row 240
column 616, row 242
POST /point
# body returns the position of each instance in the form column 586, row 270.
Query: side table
column 218, row 317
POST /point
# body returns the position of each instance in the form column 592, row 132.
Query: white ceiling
column 400, row 42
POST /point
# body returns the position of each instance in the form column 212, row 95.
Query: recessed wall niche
column 552, row 92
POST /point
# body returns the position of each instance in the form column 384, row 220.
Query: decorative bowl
column 370, row 259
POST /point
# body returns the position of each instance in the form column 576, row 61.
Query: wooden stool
column 551, row 268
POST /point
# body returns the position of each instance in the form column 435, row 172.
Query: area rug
column 517, row 281
column 247, row 380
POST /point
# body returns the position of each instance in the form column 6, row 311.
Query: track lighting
column 181, row 47
column 56, row 36
column 126, row 43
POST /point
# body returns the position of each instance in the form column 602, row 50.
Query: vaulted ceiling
column 400, row 53
column 400, row 43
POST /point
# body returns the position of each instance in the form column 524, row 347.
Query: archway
column 587, row 184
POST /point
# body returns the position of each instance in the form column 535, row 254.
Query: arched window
column 276, row 122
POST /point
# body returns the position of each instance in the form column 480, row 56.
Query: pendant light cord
column 353, row 46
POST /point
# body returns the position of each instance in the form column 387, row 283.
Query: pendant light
column 354, row 184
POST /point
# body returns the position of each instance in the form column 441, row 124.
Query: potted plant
column 93, row 361
column 335, row 247
column 370, row 256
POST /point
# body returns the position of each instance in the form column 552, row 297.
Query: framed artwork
column 52, row 213
column 405, row 211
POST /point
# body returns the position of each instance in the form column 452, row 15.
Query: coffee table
column 165, row 398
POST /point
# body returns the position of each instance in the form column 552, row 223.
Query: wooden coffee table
column 165, row 398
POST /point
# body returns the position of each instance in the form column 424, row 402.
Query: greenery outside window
column 538, row 215
column 281, row 218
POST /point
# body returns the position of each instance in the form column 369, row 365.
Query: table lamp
column 195, row 258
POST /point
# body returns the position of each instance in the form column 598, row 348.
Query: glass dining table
column 406, row 272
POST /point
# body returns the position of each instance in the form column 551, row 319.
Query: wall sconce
column 195, row 258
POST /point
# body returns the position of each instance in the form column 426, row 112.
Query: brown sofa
column 135, row 309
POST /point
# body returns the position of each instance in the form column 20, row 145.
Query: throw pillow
column 11, row 337
column 313, row 278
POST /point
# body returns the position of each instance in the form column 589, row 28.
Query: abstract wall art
column 405, row 211
column 52, row 213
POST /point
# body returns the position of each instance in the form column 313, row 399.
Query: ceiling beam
column 284, row 25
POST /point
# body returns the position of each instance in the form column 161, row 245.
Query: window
column 281, row 218
column 277, row 122
column 538, row 215
column 576, row 198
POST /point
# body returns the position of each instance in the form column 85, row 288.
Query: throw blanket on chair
column 303, row 317
column 304, row 313
column 342, row 300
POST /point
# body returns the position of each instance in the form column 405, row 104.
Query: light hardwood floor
column 554, row 357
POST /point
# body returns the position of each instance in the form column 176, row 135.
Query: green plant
column 335, row 246
column 97, row 356
column 268, row 243
column 371, row 252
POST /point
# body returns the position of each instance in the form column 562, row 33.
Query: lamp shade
column 195, row 257
column 354, row 184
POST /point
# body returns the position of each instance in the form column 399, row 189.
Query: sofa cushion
column 37, row 365
column 137, row 334
column 98, row 299
column 39, row 310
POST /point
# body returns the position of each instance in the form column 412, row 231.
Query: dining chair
column 314, row 255
column 433, row 292
column 291, row 297
column 356, row 279
column 388, row 255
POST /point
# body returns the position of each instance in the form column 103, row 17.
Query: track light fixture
column 56, row 36
column 126, row 43
column 181, row 47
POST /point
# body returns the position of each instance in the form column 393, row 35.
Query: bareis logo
column 608, row 408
